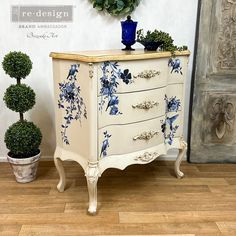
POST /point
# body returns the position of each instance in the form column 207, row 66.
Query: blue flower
column 172, row 104
column 126, row 76
column 71, row 101
column 109, row 83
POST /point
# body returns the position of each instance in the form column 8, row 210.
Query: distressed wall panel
column 219, row 120
column 227, row 36
column 213, row 125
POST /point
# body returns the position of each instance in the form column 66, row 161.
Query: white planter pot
column 24, row 169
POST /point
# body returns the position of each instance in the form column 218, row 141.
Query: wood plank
column 59, row 218
column 25, row 190
column 9, row 230
column 231, row 181
column 158, row 206
column 227, row 227
column 216, row 167
column 128, row 194
column 176, row 216
column 215, row 234
column 120, row 229
column 62, row 198
column 149, row 234
column 223, row 189
column 147, row 180
column 201, row 234
column 31, row 207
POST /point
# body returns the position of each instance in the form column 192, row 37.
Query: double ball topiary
column 22, row 138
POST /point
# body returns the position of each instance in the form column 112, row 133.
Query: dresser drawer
column 131, row 107
column 127, row 76
column 121, row 139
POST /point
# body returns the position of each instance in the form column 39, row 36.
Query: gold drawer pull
column 146, row 105
column 147, row 74
column 146, row 135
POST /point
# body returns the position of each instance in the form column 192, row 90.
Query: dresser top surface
column 114, row 55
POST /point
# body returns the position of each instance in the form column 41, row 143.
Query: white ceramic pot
column 24, row 169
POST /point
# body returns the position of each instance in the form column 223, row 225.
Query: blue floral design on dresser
column 71, row 101
column 112, row 75
column 175, row 64
column 105, row 144
column 172, row 104
column 169, row 129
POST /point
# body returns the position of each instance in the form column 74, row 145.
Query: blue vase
column 128, row 33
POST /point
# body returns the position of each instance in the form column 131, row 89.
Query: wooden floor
column 141, row 200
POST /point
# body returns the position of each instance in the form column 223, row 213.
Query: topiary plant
column 116, row 7
column 22, row 138
column 19, row 98
column 17, row 65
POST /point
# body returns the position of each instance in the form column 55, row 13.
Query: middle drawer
column 131, row 107
column 123, row 139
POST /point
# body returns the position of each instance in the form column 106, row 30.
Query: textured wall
column 89, row 30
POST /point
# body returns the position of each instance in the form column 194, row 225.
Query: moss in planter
column 19, row 98
column 23, row 139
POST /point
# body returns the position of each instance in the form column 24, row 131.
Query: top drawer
column 130, row 76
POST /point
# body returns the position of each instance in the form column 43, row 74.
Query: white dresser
column 115, row 108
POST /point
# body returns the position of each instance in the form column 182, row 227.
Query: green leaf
column 116, row 7
column 120, row 4
column 127, row 10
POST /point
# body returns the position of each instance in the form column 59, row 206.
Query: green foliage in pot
column 22, row 138
column 166, row 42
column 116, row 7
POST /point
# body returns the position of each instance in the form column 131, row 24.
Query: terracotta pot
column 24, row 169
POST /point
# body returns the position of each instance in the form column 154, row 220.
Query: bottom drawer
column 122, row 139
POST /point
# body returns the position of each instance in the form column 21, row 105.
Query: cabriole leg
column 92, row 175
column 179, row 159
column 62, row 182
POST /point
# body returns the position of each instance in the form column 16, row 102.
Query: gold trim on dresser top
column 114, row 55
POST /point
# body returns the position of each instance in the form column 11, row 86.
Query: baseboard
column 3, row 159
column 50, row 158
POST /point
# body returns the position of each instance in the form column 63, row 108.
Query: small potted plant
column 153, row 40
column 23, row 137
